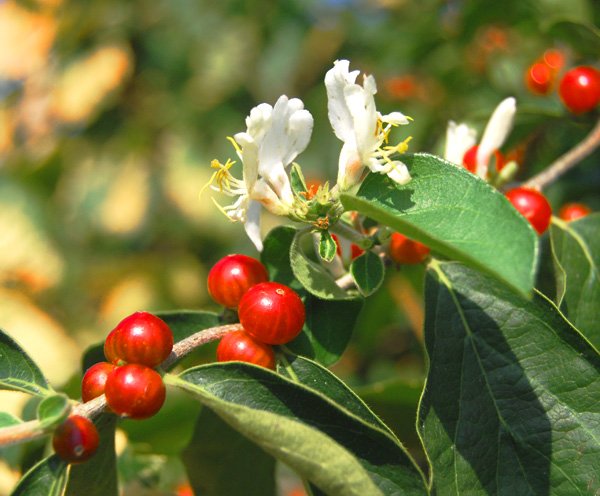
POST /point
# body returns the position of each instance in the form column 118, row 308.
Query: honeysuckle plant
column 510, row 398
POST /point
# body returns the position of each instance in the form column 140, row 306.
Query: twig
column 28, row 431
column 566, row 161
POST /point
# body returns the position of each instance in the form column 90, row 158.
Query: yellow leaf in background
column 26, row 38
column 85, row 83
column 26, row 254
column 126, row 203
column 133, row 293
column 55, row 352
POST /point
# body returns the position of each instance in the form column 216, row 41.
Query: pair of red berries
column 540, row 77
column 132, row 387
column 270, row 313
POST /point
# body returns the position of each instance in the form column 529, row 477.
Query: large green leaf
column 47, row 478
column 339, row 452
column 511, row 399
column 456, row 214
column 217, row 451
column 97, row 476
column 576, row 249
column 18, row 371
column 321, row 380
column 328, row 328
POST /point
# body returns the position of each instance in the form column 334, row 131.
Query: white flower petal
column 495, row 133
column 249, row 156
column 361, row 105
column 459, row 138
column 252, row 224
column 336, row 80
column 399, row 173
column 350, row 167
column 259, row 121
column 263, row 193
column 395, row 118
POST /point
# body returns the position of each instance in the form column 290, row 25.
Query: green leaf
column 322, row 381
column 510, row 402
column 97, row 476
column 457, row 215
column 327, row 246
column 337, row 451
column 7, row 419
column 297, row 179
column 311, row 274
column 18, row 372
column 368, row 272
column 184, row 323
column 576, row 250
column 47, row 478
column 276, row 256
column 328, row 328
column 582, row 36
column 217, row 451
column 53, row 410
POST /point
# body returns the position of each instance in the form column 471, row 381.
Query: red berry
column 470, row 159
column 272, row 313
column 554, row 59
column 533, row 205
column 140, row 338
column 135, row 391
column 240, row 346
column 76, row 439
column 94, row 380
column 580, row 89
column 573, row 211
column 404, row 250
column 539, row 78
column 232, row 276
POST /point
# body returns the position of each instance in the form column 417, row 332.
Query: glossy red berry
column 94, row 380
column 240, row 346
column 135, row 391
column 580, row 89
column 574, row 211
column 539, row 78
column 533, row 205
column 272, row 313
column 76, row 439
column 140, row 338
column 470, row 159
column 404, row 250
column 232, row 276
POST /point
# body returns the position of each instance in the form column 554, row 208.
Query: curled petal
column 495, row 133
column 399, row 173
column 395, row 119
column 252, row 224
column 336, row 80
column 361, row 105
column 259, row 121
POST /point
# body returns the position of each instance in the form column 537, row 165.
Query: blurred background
column 111, row 111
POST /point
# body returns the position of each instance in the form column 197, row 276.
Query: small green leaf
column 47, row 478
column 97, row 476
column 7, row 419
column 311, row 274
column 576, row 251
column 216, row 451
column 18, row 372
column 337, row 451
column 368, row 272
column 53, row 410
column 457, row 215
column 327, row 246
column 276, row 256
column 511, row 394
column 328, row 328
column 297, row 179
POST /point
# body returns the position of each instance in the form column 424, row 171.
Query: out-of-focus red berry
column 240, row 346
column 573, row 211
column 539, row 78
column 407, row 251
column 532, row 205
column 470, row 159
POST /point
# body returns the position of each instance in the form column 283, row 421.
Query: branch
column 566, row 161
column 28, row 431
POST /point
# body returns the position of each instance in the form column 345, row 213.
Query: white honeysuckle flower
column 273, row 139
column 363, row 130
column 461, row 137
